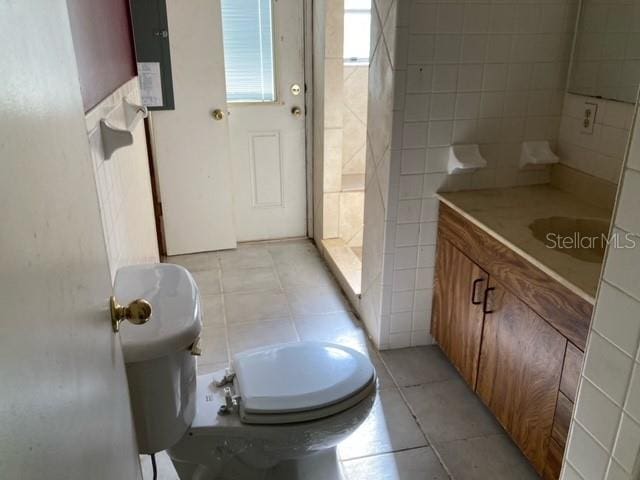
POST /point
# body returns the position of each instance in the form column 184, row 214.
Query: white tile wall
column 604, row 441
column 464, row 72
column 379, row 234
column 600, row 153
column 124, row 187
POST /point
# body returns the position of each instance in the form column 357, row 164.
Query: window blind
column 248, row 50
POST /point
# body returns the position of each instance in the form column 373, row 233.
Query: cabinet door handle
column 486, row 300
column 476, row 282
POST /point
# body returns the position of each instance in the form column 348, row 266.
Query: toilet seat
column 299, row 382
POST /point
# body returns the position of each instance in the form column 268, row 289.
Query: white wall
column 124, row 187
column 600, row 153
column 604, row 441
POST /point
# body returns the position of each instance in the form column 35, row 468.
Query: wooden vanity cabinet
column 458, row 300
column 519, row 371
column 511, row 331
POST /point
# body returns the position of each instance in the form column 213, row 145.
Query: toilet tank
column 161, row 369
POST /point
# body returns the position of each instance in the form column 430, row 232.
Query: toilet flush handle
column 137, row 312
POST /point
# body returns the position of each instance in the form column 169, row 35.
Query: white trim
column 308, row 98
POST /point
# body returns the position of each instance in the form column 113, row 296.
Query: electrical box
column 152, row 38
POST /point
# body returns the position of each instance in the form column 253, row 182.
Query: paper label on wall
column 150, row 83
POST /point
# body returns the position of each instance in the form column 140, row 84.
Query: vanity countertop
column 506, row 213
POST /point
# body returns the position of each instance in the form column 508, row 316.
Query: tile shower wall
column 604, row 442
column 354, row 112
column 124, row 187
column 354, row 147
column 600, row 153
column 333, row 117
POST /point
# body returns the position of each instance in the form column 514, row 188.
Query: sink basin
column 581, row 238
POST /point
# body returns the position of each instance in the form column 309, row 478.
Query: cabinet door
column 520, row 368
column 457, row 311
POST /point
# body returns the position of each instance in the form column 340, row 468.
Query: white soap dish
column 465, row 158
column 537, row 153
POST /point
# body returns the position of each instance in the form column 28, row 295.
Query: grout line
column 224, row 312
column 430, row 443
column 390, row 452
column 286, row 297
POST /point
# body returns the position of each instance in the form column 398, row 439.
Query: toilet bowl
column 277, row 412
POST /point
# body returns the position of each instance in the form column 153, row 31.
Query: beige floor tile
column 245, row 336
column 389, row 427
column 449, row 410
column 214, row 347
column 250, row 280
column 415, row 464
column 208, row 281
column 249, row 256
column 212, row 367
column 196, row 262
column 212, row 310
column 305, row 274
column 255, row 306
column 418, row 365
column 494, row 457
column 292, row 252
column 341, row 328
column 316, row 300
column 384, row 377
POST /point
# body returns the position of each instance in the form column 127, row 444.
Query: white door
column 191, row 147
column 264, row 58
column 64, row 403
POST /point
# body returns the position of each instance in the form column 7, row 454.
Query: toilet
column 276, row 412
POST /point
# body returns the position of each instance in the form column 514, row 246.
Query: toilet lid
column 297, row 377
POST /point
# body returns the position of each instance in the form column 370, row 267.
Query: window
column 357, row 31
column 248, row 50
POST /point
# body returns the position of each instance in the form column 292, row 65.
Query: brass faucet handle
column 137, row 312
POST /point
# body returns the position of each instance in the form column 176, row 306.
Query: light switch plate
column 589, row 117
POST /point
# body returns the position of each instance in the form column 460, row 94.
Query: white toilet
column 278, row 412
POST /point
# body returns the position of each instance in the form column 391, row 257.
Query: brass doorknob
column 296, row 111
column 217, row 114
column 137, row 312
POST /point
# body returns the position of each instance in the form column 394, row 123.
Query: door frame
column 308, row 100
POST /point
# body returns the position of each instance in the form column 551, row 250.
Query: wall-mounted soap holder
column 537, row 153
column 114, row 137
column 465, row 159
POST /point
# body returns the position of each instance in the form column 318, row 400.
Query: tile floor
column 425, row 424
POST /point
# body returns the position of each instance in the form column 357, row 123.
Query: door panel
column 64, row 402
column 457, row 321
column 191, row 148
column 266, row 170
column 519, row 375
column 268, row 142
